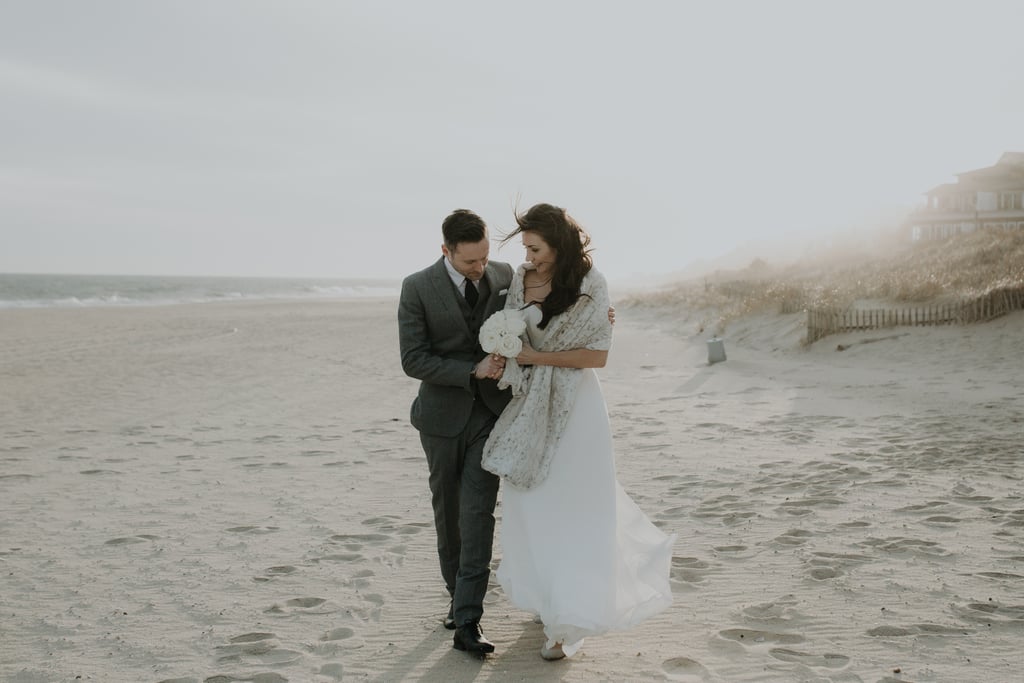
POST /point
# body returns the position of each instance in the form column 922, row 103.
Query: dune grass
column 961, row 267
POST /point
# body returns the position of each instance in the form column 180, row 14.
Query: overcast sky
column 299, row 138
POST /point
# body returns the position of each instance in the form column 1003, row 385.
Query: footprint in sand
column 371, row 610
column 685, row 669
column 357, row 541
column 342, row 633
column 315, row 454
column 793, row 537
column 964, row 491
column 305, row 603
column 827, row 660
column 269, row 677
column 340, row 557
column 385, row 522
column 942, row 520
column 272, row 572
column 780, row 611
column 335, row 670
column 853, row 525
column 253, row 529
column 1016, row 519
column 730, row 509
column 375, row 431
column 1000, row 576
column 674, row 513
column 890, row 632
column 361, row 579
column 256, row 648
column 81, row 431
column 940, row 630
column 899, row 544
column 689, row 570
column 930, row 506
column 752, row 637
column 992, row 614
column 252, row 637
column 804, row 506
column 822, row 573
column 128, row 540
column 735, row 551
column 302, row 606
column 341, row 638
column 917, row 630
column 825, row 565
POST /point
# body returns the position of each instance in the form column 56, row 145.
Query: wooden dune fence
column 998, row 302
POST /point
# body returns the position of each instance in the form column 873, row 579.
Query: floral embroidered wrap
column 524, row 439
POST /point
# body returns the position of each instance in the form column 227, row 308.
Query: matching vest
column 475, row 316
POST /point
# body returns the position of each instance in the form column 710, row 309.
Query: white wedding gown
column 576, row 550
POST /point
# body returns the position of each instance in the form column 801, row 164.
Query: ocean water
column 45, row 291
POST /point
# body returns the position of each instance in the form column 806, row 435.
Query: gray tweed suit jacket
column 439, row 346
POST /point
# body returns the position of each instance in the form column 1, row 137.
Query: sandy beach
column 232, row 492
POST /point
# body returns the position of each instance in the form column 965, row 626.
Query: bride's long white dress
column 575, row 549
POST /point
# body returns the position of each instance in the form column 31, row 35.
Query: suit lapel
column 492, row 288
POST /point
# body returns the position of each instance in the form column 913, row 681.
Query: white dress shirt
column 458, row 279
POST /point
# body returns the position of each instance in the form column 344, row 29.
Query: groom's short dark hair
column 462, row 225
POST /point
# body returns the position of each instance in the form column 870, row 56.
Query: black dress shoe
column 470, row 638
column 449, row 621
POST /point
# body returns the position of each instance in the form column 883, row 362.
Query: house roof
column 1011, row 159
column 1007, row 174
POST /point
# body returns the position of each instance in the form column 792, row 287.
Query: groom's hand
column 490, row 367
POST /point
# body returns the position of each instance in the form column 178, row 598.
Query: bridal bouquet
column 501, row 333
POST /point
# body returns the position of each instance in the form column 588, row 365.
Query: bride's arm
column 577, row 358
column 600, row 312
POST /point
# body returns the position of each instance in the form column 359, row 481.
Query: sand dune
column 233, row 492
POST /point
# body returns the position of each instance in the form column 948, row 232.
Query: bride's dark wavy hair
column 571, row 243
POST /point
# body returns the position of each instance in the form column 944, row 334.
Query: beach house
column 991, row 197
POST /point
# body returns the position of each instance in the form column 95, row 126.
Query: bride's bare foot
column 552, row 653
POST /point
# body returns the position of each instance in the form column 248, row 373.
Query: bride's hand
column 527, row 356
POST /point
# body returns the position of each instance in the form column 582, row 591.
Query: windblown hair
column 462, row 225
column 571, row 243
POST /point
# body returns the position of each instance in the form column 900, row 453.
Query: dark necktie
column 471, row 293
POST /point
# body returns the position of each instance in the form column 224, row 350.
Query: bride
column 575, row 549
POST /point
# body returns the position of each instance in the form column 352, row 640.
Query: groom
column 440, row 312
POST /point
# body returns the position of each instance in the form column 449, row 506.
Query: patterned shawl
column 526, row 434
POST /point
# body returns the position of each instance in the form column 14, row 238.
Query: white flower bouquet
column 501, row 333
